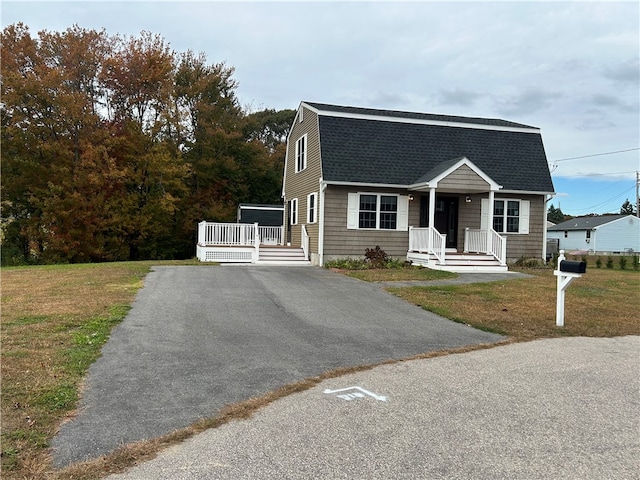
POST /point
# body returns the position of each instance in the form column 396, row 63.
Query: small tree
column 627, row 208
column 555, row 215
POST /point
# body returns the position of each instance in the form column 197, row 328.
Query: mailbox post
column 567, row 271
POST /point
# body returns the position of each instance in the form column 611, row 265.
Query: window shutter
column 524, row 216
column 403, row 213
column 484, row 214
column 352, row 211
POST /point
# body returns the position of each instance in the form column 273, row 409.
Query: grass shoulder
column 602, row 303
column 55, row 319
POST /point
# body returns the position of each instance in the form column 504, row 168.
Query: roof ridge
column 407, row 115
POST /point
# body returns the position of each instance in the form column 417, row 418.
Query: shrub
column 609, row 262
column 636, row 262
column 584, row 259
column 622, row 262
column 376, row 257
column 598, row 263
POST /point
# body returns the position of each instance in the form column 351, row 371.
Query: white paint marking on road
column 351, row 396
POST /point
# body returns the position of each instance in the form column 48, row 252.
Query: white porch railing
column 271, row 235
column 228, row 234
column 475, row 241
column 428, row 240
column 489, row 242
column 305, row 242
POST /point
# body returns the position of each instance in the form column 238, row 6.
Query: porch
column 485, row 251
column 248, row 243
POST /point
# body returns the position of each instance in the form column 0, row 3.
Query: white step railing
column 428, row 240
column 305, row 242
column 497, row 246
column 486, row 241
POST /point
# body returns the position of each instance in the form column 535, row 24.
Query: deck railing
column 228, row 234
column 489, row 242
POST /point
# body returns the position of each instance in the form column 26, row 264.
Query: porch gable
column 459, row 175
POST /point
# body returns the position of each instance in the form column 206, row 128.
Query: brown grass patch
column 603, row 303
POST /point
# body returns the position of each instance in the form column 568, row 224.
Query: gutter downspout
column 323, row 187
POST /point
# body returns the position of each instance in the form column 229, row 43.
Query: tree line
column 114, row 148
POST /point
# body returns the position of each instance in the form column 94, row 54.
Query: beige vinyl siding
column 299, row 185
column 463, row 179
column 342, row 242
column 518, row 245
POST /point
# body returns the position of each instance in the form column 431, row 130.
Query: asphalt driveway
column 199, row 338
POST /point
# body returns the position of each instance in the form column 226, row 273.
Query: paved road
column 549, row 409
column 199, row 338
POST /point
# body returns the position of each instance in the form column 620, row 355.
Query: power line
column 593, row 155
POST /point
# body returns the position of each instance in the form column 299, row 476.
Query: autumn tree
column 115, row 147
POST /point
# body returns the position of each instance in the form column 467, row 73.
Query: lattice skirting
column 225, row 254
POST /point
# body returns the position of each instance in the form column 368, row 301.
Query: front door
column 446, row 217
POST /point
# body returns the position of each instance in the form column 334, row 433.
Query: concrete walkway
column 562, row 408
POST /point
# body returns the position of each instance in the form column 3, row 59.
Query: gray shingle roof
column 585, row 223
column 359, row 150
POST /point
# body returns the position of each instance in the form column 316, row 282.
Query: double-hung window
column 312, row 208
column 377, row 211
column 301, row 153
column 509, row 216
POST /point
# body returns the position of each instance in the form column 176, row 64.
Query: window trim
column 301, row 156
column 524, row 215
column 312, row 214
column 353, row 211
column 293, row 212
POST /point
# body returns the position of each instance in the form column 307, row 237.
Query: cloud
column 612, row 102
column 457, row 96
column 526, row 102
column 625, row 72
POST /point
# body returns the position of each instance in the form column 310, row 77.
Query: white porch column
column 490, row 221
column 432, row 215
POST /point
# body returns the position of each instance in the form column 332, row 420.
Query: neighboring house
column 423, row 187
column 601, row 234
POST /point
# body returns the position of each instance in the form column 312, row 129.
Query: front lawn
column 603, row 303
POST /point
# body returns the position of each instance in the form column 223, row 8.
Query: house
column 604, row 234
column 447, row 192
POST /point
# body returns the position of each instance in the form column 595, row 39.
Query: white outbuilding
column 603, row 234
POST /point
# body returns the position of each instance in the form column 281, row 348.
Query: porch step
column 461, row 263
column 278, row 255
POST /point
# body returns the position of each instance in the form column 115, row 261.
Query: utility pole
column 637, row 193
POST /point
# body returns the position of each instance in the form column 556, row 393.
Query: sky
column 571, row 69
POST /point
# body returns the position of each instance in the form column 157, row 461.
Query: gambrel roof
column 369, row 146
column 586, row 223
